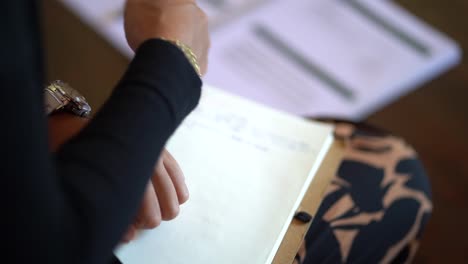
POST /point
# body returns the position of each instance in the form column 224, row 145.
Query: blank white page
column 247, row 168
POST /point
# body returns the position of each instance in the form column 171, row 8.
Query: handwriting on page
column 242, row 130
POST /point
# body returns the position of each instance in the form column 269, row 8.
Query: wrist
column 188, row 52
column 62, row 126
column 163, row 68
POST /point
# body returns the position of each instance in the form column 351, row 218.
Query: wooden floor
column 434, row 118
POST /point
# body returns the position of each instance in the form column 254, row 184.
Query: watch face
column 68, row 91
column 75, row 101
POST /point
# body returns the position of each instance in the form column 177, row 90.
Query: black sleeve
column 74, row 207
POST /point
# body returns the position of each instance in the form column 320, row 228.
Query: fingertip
column 184, row 195
column 170, row 212
column 153, row 222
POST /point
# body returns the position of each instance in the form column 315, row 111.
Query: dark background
column 434, row 118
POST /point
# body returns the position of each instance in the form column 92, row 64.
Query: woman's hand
column 165, row 192
column 179, row 20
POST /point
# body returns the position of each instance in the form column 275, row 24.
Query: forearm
column 76, row 208
column 107, row 165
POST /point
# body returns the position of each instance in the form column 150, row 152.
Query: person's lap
column 376, row 206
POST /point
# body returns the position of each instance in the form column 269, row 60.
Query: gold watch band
column 188, row 52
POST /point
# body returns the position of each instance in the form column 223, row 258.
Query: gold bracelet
column 187, row 52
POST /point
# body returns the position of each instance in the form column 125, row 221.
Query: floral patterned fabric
column 376, row 207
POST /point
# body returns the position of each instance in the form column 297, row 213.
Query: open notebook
column 247, row 168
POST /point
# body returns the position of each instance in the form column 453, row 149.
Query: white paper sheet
column 339, row 58
column 247, row 168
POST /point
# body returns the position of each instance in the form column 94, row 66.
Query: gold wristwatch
column 59, row 96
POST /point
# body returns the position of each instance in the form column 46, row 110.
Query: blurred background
column 433, row 117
